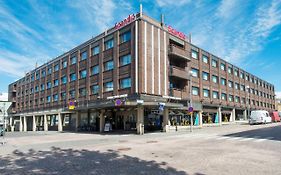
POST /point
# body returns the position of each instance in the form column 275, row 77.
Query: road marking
column 260, row 140
column 246, row 139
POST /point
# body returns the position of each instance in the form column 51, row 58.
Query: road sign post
column 190, row 110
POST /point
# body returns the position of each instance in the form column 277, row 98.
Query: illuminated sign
column 176, row 33
column 126, row 21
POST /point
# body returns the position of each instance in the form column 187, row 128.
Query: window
column 247, row 77
column 125, row 37
column 36, row 88
column 195, row 91
column 42, row 87
column 95, row 70
column 223, row 81
column 242, row 75
column 48, row 99
column 108, row 86
column 55, row 97
column 72, row 93
column 237, row 99
column 236, row 85
column 56, row 82
column 84, row 55
column 82, row 92
column 230, row 84
column 49, row 70
column 194, row 72
column 242, row 87
column 125, row 83
column 215, row 94
column 214, row 79
column 95, row 50
column 32, row 77
column 230, row 98
column 223, row 96
column 214, row 63
column 63, row 80
column 108, row 65
column 95, row 89
column 73, row 60
column 57, row 67
column 229, row 70
column 63, row 95
column 124, row 60
column 64, row 64
column 206, row 93
column 205, row 59
column 205, row 76
column 223, row 66
column 194, row 54
column 37, row 75
column 108, row 44
column 243, row 100
column 83, row 73
column 49, row 85
column 236, row 72
column 43, row 73
column 73, row 77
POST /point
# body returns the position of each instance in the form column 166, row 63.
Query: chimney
column 162, row 19
column 140, row 10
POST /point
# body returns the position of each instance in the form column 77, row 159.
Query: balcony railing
column 178, row 52
column 179, row 72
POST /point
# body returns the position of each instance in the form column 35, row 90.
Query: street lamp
column 248, row 100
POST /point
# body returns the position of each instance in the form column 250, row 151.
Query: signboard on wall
column 174, row 32
column 126, row 21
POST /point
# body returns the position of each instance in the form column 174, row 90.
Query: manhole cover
column 152, row 141
column 124, row 149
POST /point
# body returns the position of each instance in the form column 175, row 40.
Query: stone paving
column 232, row 149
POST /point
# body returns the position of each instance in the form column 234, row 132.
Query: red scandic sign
column 126, row 21
column 176, row 33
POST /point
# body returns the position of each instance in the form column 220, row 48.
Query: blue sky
column 246, row 33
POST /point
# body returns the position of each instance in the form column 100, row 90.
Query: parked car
column 275, row 116
column 259, row 116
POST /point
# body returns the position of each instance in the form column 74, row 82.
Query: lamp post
column 248, row 101
column 190, row 101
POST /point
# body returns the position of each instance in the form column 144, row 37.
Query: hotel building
column 139, row 75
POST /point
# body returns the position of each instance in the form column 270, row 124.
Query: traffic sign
column 190, row 109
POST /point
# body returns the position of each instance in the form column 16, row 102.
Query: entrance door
column 119, row 120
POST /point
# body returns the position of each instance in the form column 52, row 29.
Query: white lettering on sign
column 176, row 33
column 126, row 21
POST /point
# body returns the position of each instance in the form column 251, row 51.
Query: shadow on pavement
column 271, row 133
column 69, row 161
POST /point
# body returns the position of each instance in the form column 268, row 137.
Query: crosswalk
column 245, row 138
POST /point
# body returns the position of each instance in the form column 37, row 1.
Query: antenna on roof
column 140, row 10
column 189, row 37
column 36, row 65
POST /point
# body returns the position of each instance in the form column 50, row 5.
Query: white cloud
column 163, row 3
column 227, row 8
column 3, row 96
column 278, row 95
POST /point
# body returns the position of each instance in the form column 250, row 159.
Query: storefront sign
column 118, row 102
column 126, row 21
column 176, row 33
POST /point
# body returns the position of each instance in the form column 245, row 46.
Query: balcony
column 179, row 73
column 178, row 52
column 180, row 93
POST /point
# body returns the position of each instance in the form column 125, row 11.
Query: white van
column 259, row 116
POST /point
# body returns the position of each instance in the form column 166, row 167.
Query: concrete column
column 59, row 122
column 24, row 124
column 220, row 117
column 45, row 123
column 233, row 115
column 21, row 127
column 245, row 114
column 166, row 120
column 140, row 120
column 102, row 120
column 34, row 123
column 200, row 119
column 78, row 118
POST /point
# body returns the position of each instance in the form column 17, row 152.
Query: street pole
column 248, row 101
column 190, row 95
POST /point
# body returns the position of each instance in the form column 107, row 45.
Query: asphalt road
column 230, row 149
